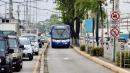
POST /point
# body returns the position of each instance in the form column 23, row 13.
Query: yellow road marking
column 40, row 58
column 36, row 65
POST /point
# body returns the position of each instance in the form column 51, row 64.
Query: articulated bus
column 60, row 36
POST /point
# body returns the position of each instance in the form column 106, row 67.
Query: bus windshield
column 60, row 33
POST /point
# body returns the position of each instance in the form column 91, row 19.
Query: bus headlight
column 68, row 40
column 56, row 40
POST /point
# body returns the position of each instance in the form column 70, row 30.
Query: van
column 6, row 59
column 17, row 53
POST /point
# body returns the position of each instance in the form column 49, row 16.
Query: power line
column 22, row 3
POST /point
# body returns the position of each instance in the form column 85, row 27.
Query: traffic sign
column 115, row 15
column 115, row 32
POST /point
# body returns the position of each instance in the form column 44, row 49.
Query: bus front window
column 60, row 33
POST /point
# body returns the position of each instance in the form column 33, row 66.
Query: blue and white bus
column 60, row 36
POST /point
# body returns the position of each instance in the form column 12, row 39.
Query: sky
column 123, row 6
column 42, row 14
column 50, row 5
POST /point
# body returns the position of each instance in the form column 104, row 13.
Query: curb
column 101, row 62
column 40, row 61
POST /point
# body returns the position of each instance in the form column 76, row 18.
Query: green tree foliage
column 44, row 25
column 54, row 19
column 67, row 9
column 75, row 10
column 79, row 8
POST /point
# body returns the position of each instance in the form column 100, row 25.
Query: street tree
column 75, row 10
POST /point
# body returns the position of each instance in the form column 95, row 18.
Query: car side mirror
column 21, row 46
column 39, row 40
column 10, row 50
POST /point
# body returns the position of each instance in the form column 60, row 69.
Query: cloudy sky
column 124, row 7
column 42, row 14
column 50, row 5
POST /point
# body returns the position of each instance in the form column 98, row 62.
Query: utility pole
column 18, row 20
column 18, row 14
column 30, row 13
column 5, row 11
column 33, row 14
column 36, row 14
column 24, row 13
column 27, row 17
column 10, row 9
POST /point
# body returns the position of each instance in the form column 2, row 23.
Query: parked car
column 123, row 40
column 44, row 39
column 17, row 53
column 34, row 42
column 27, row 50
column 127, row 45
column 6, row 59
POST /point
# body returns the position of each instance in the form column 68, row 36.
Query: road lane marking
column 39, row 60
column 36, row 65
column 66, row 58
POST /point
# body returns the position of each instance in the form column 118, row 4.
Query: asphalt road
column 68, row 61
column 28, row 66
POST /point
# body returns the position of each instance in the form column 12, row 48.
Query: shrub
column 89, row 48
column 82, row 48
column 120, row 58
column 97, row 51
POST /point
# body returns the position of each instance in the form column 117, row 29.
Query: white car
column 34, row 42
column 27, row 51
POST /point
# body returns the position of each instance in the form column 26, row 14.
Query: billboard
column 89, row 25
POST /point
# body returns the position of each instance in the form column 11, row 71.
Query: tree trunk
column 77, row 19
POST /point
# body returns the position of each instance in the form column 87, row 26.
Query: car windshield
column 32, row 38
column 13, row 43
column 24, row 41
column 2, row 45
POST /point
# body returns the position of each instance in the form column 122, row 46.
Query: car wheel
column 18, row 67
column 30, row 57
column 36, row 53
column 21, row 65
column 10, row 70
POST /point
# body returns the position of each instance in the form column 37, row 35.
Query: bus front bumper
column 60, row 44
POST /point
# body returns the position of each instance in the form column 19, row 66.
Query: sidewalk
column 102, row 61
